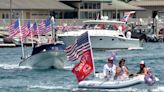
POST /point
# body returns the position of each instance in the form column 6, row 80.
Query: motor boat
column 102, row 83
column 46, row 56
column 104, row 34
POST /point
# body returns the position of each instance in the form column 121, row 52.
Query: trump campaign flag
column 84, row 67
column 81, row 49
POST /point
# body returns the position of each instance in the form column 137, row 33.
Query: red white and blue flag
column 13, row 28
column 47, row 25
column 126, row 16
column 41, row 27
column 81, row 49
column 26, row 29
column 34, row 29
column 74, row 51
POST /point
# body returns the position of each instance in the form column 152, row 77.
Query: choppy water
column 23, row 79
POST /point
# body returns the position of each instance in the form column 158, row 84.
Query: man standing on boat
column 128, row 34
column 109, row 70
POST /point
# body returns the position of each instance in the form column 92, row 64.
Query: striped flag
column 13, row 28
column 81, row 45
column 81, row 49
column 34, row 29
column 127, row 16
column 26, row 29
column 47, row 25
column 41, row 27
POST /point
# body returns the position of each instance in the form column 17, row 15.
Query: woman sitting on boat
column 109, row 70
column 148, row 76
column 122, row 71
column 143, row 69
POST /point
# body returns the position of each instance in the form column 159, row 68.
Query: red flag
column 84, row 67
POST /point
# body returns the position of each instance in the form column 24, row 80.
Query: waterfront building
column 63, row 9
column 152, row 8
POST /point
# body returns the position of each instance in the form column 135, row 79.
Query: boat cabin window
column 101, row 26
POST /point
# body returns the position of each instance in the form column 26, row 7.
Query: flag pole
column 91, row 54
column 31, row 33
column 38, row 34
column 23, row 55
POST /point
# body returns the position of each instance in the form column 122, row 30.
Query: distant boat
column 104, row 34
column 46, row 56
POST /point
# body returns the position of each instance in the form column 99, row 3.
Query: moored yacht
column 104, row 34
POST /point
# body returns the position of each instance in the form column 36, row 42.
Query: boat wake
column 49, row 87
column 129, row 89
column 13, row 66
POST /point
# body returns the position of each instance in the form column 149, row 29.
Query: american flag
column 13, row 28
column 126, row 16
column 34, row 29
column 26, row 29
column 81, row 45
column 41, row 27
column 47, row 25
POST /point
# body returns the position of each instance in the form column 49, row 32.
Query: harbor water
column 25, row 79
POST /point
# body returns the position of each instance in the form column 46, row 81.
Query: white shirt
column 128, row 34
column 109, row 71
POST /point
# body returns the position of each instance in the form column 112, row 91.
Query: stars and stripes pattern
column 26, row 29
column 47, row 25
column 41, row 27
column 81, row 45
column 13, row 28
column 34, row 29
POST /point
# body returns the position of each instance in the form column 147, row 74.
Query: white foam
column 68, row 67
column 13, row 66
column 158, row 89
column 48, row 87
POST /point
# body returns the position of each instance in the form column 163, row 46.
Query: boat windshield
column 48, row 47
column 101, row 26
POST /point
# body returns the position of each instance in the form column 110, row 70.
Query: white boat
column 101, row 83
column 46, row 56
column 108, row 37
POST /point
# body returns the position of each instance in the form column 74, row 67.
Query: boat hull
column 106, row 42
column 109, row 84
column 100, row 83
column 48, row 59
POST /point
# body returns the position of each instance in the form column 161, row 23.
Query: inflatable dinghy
column 112, row 84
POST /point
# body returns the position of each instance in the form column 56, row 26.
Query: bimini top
column 48, row 47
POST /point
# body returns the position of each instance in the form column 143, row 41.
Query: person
column 109, row 70
column 128, row 34
column 143, row 69
column 149, row 78
column 122, row 71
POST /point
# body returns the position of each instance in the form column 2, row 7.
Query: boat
column 46, row 56
column 104, row 34
column 102, row 83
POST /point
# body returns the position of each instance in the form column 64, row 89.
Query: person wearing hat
column 143, row 69
column 109, row 70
